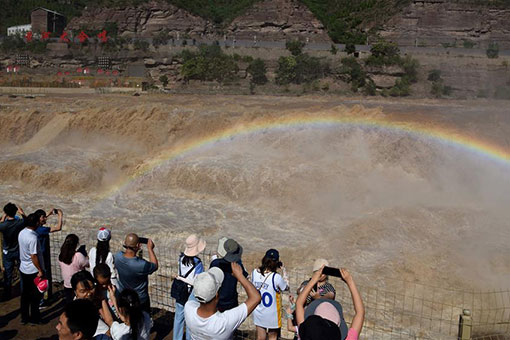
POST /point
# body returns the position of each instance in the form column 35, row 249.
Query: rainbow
column 436, row 133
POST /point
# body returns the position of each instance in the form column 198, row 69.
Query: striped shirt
column 325, row 288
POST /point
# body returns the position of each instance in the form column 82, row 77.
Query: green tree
column 410, row 67
column 164, row 80
column 257, row 71
column 350, row 48
column 493, row 50
column 352, row 72
column 384, row 53
column 434, row 75
column 333, row 49
column 208, row 63
column 295, row 46
column 401, row 88
column 286, row 71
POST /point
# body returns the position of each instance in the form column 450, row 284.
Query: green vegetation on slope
column 345, row 19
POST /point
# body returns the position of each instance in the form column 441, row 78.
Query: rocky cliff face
column 278, row 20
column 440, row 22
column 267, row 20
column 144, row 20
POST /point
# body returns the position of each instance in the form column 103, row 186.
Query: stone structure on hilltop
column 436, row 23
column 277, row 20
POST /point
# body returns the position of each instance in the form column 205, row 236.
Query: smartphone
column 55, row 211
column 143, row 240
column 315, row 287
column 332, row 272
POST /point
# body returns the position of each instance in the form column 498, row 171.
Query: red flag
column 83, row 37
column 64, row 38
column 103, row 36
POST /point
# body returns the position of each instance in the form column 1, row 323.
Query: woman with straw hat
column 190, row 266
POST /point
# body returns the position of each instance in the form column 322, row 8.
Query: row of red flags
column 82, row 36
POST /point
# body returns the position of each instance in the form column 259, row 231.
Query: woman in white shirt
column 135, row 324
column 101, row 253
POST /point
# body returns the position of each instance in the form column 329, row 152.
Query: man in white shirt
column 30, row 268
column 202, row 316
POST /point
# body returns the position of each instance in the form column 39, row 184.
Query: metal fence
column 395, row 309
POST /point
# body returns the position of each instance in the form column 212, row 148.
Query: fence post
column 465, row 325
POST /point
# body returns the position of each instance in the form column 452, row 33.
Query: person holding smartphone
column 323, row 318
column 323, row 289
column 133, row 272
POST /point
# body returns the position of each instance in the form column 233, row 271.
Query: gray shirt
column 10, row 230
column 134, row 273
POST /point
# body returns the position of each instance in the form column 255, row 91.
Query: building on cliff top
column 45, row 20
column 19, row 30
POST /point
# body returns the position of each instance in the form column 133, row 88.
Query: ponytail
column 129, row 302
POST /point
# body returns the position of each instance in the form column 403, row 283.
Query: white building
column 19, row 30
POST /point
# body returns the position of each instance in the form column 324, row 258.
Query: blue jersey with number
column 268, row 313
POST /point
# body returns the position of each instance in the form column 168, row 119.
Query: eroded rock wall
column 435, row 23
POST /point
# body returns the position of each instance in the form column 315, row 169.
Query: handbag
column 180, row 290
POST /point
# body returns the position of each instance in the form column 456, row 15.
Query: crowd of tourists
column 106, row 295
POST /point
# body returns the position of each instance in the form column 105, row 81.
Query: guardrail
column 395, row 309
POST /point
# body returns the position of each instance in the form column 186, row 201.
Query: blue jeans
column 9, row 260
column 179, row 321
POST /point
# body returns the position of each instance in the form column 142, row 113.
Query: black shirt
column 10, row 229
column 228, row 290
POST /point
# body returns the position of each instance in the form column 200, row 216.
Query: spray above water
column 404, row 196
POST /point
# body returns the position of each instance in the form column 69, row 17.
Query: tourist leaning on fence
column 84, row 287
column 133, row 271
column 71, row 261
column 323, row 318
column 30, row 268
column 10, row 227
column 267, row 316
column 78, row 321
column 325, row 290
column 134, row 323
column 189, row 266
column 101, row 253
column 228, row 291
column 204, row 320
column 43, row 235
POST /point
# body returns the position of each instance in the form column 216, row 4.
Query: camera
column 279, row 264
column 143, row 240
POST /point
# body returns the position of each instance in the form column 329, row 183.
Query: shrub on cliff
column 209, row 63
column 300, row 69
column 295, row 46
column 384, row 53
column 257, row 71
column 352, row 72
column 493, row 50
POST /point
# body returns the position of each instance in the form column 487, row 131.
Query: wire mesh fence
column 395, row 309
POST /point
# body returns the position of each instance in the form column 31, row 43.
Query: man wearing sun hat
column 228, row 292
column 203, row 319
column 133, row 271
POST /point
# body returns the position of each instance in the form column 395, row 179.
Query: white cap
column 319, row 263
column 207, row 284
column 221, row 247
